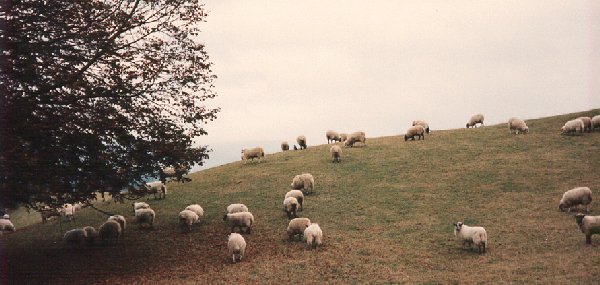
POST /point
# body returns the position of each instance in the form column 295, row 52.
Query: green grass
column 386, row 212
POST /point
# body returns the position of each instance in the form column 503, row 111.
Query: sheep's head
column 579, row 218
column 458, row 226
column 526, row 130
column 562, row 206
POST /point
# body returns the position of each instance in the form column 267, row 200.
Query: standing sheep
column 471, row 236
column 517, row 125
column 68, row 211
column 589, row 225
column 301, row 140
column 196, row 209
column 574, row 197
column 285, row 146
column 587, row 123
column 156, row 187
column 91, row 234
column 304, row 182
column 290, row 204
column 313, row 235
column 475, row 119
column 145, row 216
column 413, row 131
column 298, row 195
column 119, row 219
column 572, row 127
column 236, row 246
column 187, row 217
column 336, row 153
column 240, row 220
column 236, row 208
column 252, row 153
column 354, row 138
column 75, row 236
column 421, row 123
column 110, row 231
column 596, row 122
column 332, row 136
column 6, row 226
column 297, row 226
column 140, row 205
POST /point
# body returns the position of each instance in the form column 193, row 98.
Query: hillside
column 386, row 212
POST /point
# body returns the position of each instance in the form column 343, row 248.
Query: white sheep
column 196, row 209
column 240, row 220
column 252, row 153
column 188, row 217
column 304, row 182
column 415, row 131
column 587, row 123
column 301, row 140
column 6, row 217
column 145, row 216
column 157, row 187
column 574, row 197
column 354, row 138
column 297, row 226
column 471, row 236
column 596, row 122
column 110, row 231
column 236, row 208
column 475, row 119
column 572, row 127
column 91, row 234
column 285, row 146
column 589, row 225
column 336, row 153
column 290, row 204
column 121, row 220
column 236, row 246
column 68, row 211
column 422, row 123
column 332, row 136
column 75, row 236
column 6, row 226
column 517, row 125
column 140, row 205
column 298, row 195
column 313, row 235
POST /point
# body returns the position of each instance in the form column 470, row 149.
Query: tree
column 97, row 95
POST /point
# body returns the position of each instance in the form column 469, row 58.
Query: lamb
column 332, row 136
column 75, row 236
column 252, row 153
column 354, row 138
column 343, row 137
column 110, row 231
column 572, row 127
column 589, row 225
column 290, row 204
column 140, row 205
column 285, row 146
column 91, row 234
column 157, row 187
column 413, row 131
column 517, row 125
column 304, row 182
column 574, row 197
column 237, row 246
column 6, row 226
column 145, row 216
column 596, row 122
column 188, row 217
column 119, row 219
column 587, row 123
column 421, row 123
column 336, row 153
column 475, row 119
column 301, row 140
column 239, row 220
column 236, row 208
column 297, row 226
column 196, row 209
column 471, row 235
column 298, row 195
column 313, row 235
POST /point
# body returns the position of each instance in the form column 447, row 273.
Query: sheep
column 252, row 153
column 421, row 123
column 475, row 119
column 301, row 140
column 119, row 219
column 574, row 197
column 297, row 226
column 110, row 231
column 6, row 226
column 313, row 235
column 145, row 216
column 75, row 236
column 587, row 123
column 596, row 122
column 91, row 234
column 304, row 182
column 196, row 209
column 188, row 217
column 6, row 217
column 285, row 146
column 236, row 208
column 332, row 136
column 157, row 187
column 290, row 204
column 343, row 137
column 140, row 205
column 336, row 153
column 413, row 131
column 572, row 127
column 471, row 235
column 239, row 220
column 354, row 138
column 236, row 246
column 68, row 211
column 298, row 195
column 517, row 125
column 589, row 225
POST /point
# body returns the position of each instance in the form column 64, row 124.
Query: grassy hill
column 386, row 212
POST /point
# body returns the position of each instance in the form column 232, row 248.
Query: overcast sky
column 287, row 68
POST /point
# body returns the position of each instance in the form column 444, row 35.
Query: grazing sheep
column 239, row 220
column 68, row 211
column 589, row 225
column 304, row 182
column 336, row 153
column 290, row 204
column 421, row 123
column 236, row 208
column 140, row 205
column 157, row 187
column 587, row 123
column 119, row 219
column 413, row 131
column 313, row 235
column 343, row 137
column 6, row 226
column 517, row 125
column 196, row 209
column 252, row 153
column 332, row 136
column 110, row 231
column 188, row 217
column 475, row 119
column 471, row 236
column 75, row 236
column 237, row 246
column 572, row 127
column 354, row 138
column 301, row 140
column 596, row 122
column 145, row 216
column 298, row 195
column 285, row 146
column 297, row 226
column 574, row 197
column 91, row 234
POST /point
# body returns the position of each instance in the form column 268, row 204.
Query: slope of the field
column 386, row 212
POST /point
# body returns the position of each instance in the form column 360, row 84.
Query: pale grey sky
column 287, row 68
